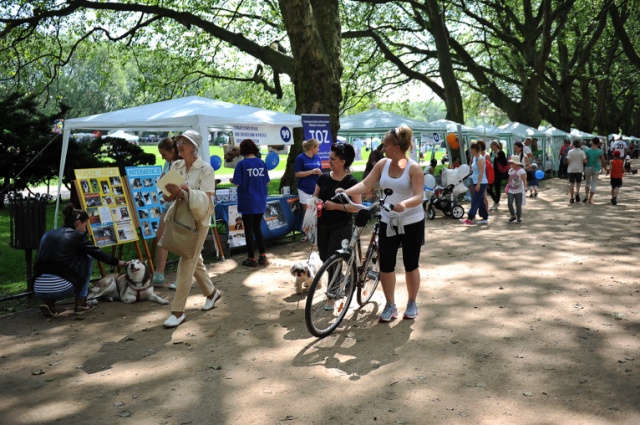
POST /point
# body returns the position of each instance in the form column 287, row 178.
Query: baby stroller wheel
column 457, row 212
column 431, row 214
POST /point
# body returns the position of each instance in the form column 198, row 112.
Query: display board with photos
column 103, row 197
column 146, row 198
column 236, row 236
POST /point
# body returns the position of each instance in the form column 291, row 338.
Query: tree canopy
column 571, row 63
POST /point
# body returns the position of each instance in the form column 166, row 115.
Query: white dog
column 131, row 286
column 305, row 271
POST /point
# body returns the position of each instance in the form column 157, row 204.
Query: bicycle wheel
column 330, row 295
column 370, row 275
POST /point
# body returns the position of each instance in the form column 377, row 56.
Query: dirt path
column 530, row 324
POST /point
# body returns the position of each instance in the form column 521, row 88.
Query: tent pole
column 63, row 159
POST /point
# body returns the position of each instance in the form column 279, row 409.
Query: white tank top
column 401, row 187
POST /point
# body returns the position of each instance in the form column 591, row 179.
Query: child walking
column 532, row 181
column 617, row 170
column 516, row 189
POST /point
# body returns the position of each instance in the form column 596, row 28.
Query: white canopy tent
column 465, row 135
column 555, row 140
column 376, row 122
column 187, row 113
column 467, row 132
column 515, row 131
column 583, row 135
column 121, row 134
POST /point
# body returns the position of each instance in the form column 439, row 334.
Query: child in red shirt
column 617, row 170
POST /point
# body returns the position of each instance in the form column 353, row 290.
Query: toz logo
column 255, row 172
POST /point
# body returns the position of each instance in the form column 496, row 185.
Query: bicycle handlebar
column 342, row 196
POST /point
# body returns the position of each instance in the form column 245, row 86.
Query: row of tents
column 204, row 115
column 547, row 141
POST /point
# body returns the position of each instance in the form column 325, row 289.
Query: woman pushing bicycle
column 405, row 224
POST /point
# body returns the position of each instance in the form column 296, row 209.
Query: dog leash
column 311, row 252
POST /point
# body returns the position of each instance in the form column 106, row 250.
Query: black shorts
column 411, row 241
column 616, row 183
column 575, row 177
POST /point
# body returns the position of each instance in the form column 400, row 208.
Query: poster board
column 274, row 215
column 142, row 182
column 103, row 196
column 236, row 236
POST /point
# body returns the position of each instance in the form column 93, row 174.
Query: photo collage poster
column 104, row 199
column 274, row 215
column 146, row 198
column 236, row 228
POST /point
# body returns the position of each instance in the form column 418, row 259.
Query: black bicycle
column 332, row 289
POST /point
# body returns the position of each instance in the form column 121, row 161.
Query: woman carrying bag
column 193, row 205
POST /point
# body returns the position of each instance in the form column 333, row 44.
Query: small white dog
column 131, row 286
column 305, row 271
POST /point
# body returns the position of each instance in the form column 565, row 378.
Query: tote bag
column 180, row 238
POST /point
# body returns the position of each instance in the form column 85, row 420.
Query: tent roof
column 554, row 132
column 183, row 113
column 375, row 121
column 519, row 130
column 582, row 134
column 452, row 127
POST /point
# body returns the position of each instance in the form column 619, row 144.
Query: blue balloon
column 272, row 160
column 540, row 174
column 216, row 162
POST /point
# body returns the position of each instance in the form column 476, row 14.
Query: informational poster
column 317, row 126
column 103, row 197
column 146, row 198
column 236, row 228
column 263, row 134
column 274, row 215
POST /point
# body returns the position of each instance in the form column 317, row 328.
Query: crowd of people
column 64, row 259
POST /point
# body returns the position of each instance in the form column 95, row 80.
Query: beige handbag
column 180, row 238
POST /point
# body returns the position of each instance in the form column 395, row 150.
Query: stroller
column 445, row 197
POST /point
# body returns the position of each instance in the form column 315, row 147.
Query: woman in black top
column 500, row 171
column 64, row 263
column 334, row 224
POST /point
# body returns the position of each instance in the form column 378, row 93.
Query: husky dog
column 131, row 286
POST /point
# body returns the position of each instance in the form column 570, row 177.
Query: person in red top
column 617, row 170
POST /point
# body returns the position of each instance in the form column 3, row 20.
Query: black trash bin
column 28, row 222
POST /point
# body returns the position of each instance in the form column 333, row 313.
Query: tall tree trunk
column 452, row 96
column 314, row 32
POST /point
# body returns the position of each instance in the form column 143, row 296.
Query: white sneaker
column 210, row 302
column 481, row 222
column 172, row 285
column 174, row 321
column 494, row 207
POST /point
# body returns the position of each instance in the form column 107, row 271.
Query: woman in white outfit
column 402, row 226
